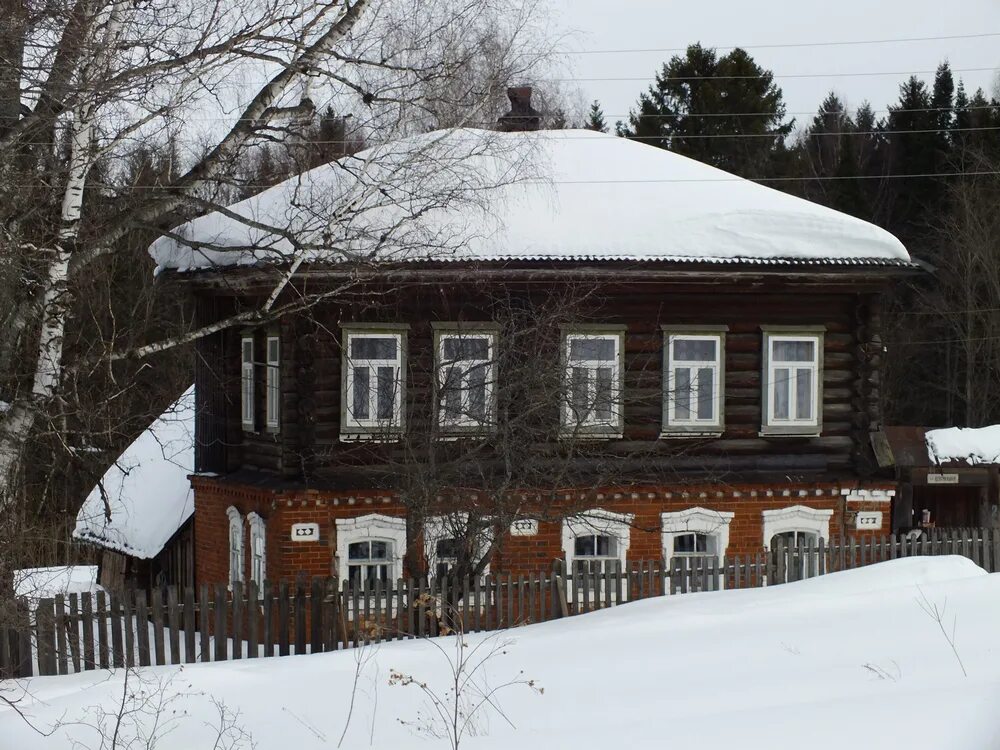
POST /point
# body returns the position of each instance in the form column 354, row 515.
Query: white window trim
column 273, row 383
column 258, row 531
column 372, row 428
column 796, row 518
column 597, row 521
column 437, row 528
column 247, row 385
column 693, row 427
column 465, row 421
column 791, row 426
column 373, row 526
column 571, row 427
column 236, row 525
column 714, row 523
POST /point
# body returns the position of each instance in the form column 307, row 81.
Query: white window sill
column 363, row 437
column 681, row 435
column 591, row 436
column 792, row 432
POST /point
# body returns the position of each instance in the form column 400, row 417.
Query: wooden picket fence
column 70, row 634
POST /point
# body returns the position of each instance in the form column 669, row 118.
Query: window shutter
column 247, row 384
column 273, row 383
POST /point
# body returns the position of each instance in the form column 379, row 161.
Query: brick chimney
column 522, row 116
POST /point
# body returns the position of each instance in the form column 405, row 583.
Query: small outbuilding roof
column 567, row 195
column 145, row 497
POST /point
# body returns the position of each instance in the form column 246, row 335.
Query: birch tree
column 84, row 84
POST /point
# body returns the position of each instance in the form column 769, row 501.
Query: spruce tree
column 725, row 111
column 595, row 120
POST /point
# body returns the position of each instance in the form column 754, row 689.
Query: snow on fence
column 68, row 634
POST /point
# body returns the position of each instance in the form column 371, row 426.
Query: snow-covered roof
column 974, row 445
column 147, row 489
column 550, row 195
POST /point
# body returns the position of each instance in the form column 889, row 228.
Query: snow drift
column 818, row 663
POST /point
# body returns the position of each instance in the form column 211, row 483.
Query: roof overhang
column 866, row 273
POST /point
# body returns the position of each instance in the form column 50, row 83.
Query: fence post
column 560, row 607
column 45, row 636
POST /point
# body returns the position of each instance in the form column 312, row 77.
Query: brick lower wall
column 516, row 554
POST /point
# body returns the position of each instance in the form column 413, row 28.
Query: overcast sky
column 665, row 24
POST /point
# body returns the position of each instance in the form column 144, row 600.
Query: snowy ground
column 824, row 663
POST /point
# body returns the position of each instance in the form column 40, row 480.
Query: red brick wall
column 517, row 554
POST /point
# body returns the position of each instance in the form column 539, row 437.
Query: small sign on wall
column 942, row 479
column 524, row 527
column 305, row 532
column 868, row 519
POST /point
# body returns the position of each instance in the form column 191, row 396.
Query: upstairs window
column 593, row 394
column 373, row 382
column 792, row 383
column 247, row 383
column 466, row 376
column 273, row 383
column 694, row 382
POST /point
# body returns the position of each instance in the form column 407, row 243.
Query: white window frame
column 597, row 521
column 372, row 427
column 247, row 383
column 672, row 425
column 792, row 425
column 237, row 557
column 796, row 518
column 465, row 422
column 273, row 382
column 613, row 427
column 372, row 527
column 712, row 523
column 437, row 528
column 258, row 549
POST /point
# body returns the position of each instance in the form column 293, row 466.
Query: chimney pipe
column 522, row 117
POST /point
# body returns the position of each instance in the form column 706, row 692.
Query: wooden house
column 703, row 352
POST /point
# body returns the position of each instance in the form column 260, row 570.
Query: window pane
column 682, row 393
column 380, row 550
column 369, row 347
column 451, row 390
column 447, row 548
column 357, row 551
column 477, row 393
column 247, row 350
column 584, row 546
column 706, row 393
column 803, row 394
column 579, row 396
column 694, row 351
column 781, row 392
column 459, row 348
column 603, row 545
column 386, row 391
column 604, row 397
column 272, row 351
column 360, row 396
column 793, row 351
column 600, row 350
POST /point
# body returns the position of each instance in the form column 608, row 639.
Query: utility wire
column 734, row 178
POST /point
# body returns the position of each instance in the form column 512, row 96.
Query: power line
column 768, row 75
column 539, row 135
column 734, row 178
column 795, row 45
